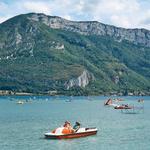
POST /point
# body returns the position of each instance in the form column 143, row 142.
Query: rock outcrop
column 136, row 36
column 81, row 81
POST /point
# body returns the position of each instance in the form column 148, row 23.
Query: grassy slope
column 50, row 67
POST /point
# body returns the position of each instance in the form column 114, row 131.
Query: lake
column 22, row 127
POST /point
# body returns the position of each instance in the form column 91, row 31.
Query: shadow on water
column 134, row 113
column 55, row 139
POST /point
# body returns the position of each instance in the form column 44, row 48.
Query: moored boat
column 82, row 132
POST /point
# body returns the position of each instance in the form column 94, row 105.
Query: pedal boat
column 82, row 132
column 123, row 107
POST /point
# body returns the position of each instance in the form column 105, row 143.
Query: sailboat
column 109, row 102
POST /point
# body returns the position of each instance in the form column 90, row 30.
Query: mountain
column 48, row 54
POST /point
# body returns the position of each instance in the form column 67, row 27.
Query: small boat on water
column 82, row 132
column 69, row 100
column 109, row 102
column 20, row 102
column 141, row 100
column 123, row 107
column 67, row 132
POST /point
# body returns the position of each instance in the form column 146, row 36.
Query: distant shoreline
column 11, row 93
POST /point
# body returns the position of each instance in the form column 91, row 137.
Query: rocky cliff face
column 82, row 81
column 136, row 36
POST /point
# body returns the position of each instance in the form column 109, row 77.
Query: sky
column 121, row 13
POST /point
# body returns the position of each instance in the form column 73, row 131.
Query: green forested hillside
column 36, row 58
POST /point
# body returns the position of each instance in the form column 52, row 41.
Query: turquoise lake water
column 22, row 127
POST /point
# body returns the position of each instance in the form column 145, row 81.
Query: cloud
column 145, row 21
column 38, row 6
column 67, row 17
column 3, row 8
column 123, row 13
column 120, row 20
column 116, row 12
